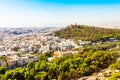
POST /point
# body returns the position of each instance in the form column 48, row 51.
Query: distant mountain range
column 8, row 32
column 18, row 31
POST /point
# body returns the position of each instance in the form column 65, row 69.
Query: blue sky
column 30, row 13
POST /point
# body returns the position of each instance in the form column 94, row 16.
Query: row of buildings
column 19, row 50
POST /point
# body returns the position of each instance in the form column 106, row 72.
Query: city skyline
column 37, row 13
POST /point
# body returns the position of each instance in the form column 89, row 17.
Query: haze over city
column 37, row 13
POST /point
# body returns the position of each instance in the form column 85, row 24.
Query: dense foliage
column 103, row 46
column 64, row 68
column 115, row 76
column 83, row 32
column 115, row 66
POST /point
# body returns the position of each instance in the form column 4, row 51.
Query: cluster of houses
column 35, row 44
column 13, row 61
column 19, row 50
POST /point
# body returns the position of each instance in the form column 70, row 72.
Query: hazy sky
column 30, row 13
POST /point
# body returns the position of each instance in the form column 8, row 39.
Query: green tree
column 41, row 76
column 2, row 70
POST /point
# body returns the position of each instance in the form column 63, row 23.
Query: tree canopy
column 83, row 32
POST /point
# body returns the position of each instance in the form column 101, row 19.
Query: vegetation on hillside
column 83, row 32
column 115, row 76
column 103, row 46
column 115, row 66
column 64, row 68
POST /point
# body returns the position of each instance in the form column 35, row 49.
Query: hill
column 84, row 32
